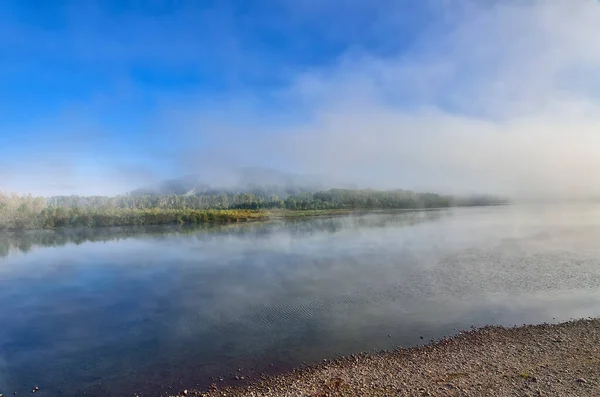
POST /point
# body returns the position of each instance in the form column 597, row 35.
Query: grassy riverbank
column 76, row 218
column 292, row 214
column 60, row 217
column 533, row 360
column 296, row 214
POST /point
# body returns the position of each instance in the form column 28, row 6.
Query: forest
column 29, row 212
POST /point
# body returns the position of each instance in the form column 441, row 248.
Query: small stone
column 185, row 392
column 580, row 380
column 421, row 337
column 533, row 379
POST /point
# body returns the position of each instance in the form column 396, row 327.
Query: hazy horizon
column 453, row 97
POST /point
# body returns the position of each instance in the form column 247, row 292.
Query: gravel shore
column 533, row 360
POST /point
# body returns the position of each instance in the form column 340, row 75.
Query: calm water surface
column 117, row 311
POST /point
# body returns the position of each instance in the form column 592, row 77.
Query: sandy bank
column 536, row 360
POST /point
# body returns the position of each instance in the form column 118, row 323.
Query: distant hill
column 248, row 180
column 189, row 184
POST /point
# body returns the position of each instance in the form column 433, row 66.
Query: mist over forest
column 189, row 200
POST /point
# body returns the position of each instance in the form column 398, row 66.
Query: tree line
column 327, row 199
column 27, row 211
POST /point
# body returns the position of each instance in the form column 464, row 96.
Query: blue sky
column 101, row 96
column 122, row 59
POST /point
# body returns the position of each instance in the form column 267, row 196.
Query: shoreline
column 531, row 360
column 225, row 217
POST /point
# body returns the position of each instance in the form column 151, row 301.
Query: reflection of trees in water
column 301, row 227
column 24, row 241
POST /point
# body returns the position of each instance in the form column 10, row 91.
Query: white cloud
column 500, row 99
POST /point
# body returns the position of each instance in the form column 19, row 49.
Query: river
column 118, row 311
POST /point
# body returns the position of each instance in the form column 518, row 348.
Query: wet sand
column 533, row 360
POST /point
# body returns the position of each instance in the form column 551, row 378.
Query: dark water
column 117, row 311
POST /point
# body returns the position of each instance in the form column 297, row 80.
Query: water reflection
column 25, row 241
column 132, row 310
